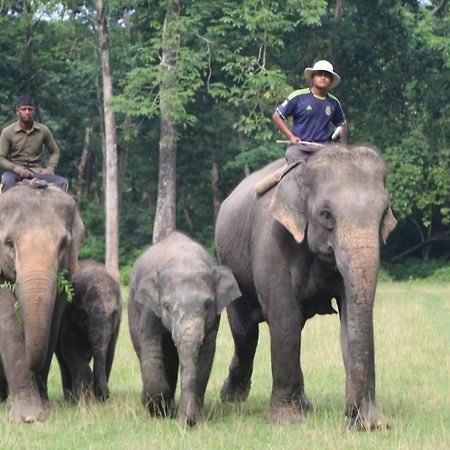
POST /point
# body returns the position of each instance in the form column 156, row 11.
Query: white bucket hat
column 325, row 66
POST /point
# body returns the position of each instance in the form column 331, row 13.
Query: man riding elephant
column 312, row 110
column 21, row 149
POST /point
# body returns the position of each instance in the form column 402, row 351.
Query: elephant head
column 188, row 296
column 40, row 234
column 340, row 203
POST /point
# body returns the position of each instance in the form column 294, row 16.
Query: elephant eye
column 9, row 243
column 327, row 219
column 63, row 243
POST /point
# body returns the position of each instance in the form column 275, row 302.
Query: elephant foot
column 28, row 408
column 367, row 417
column 305, row 404
column 233, row 392
column 158, row 405
column 101, row 394
column 189, row 412
column 286, row 414
column 190, row 419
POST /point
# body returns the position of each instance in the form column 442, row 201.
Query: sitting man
column 21, row 149
column 312, row 110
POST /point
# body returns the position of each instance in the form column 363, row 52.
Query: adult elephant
column 40, row 234
column 314, row 237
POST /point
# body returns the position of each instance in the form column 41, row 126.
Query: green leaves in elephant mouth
column 64, row 286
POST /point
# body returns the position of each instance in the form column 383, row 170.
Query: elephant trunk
column 36, row 292
column 358, row 262
column 188, row 344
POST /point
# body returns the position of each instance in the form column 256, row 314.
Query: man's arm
column 53, row 151
column 281, row 125
column 5, row 163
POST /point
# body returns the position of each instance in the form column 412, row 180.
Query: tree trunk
column 165, row 219
column 111, row 189
column 215, row 189
column 339, row 10
column 83, row 160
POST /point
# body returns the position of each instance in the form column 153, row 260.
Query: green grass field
column 412, row 339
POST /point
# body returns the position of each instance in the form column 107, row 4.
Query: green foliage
column 235, row 62
column 19, row 317
column 432, row 271
column 9, row 286
column 64, row 286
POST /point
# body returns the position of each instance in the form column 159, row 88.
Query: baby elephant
column 89, row 329
column 177, row 293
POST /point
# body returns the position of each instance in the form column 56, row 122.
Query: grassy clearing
column 412, row 357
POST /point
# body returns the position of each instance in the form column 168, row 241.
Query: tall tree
column 111, row 189
column 165, row 219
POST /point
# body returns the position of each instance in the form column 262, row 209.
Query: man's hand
column 294, row 139
column 337, row 133
column 47, row 170
column 25, row 173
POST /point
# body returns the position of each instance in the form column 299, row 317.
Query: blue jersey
column 312, row 115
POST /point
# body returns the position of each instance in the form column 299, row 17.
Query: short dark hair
column 25, row 100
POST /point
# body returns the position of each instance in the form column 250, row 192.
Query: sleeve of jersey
column 339, row 116
column 286, row 109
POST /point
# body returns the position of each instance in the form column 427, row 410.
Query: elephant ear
column 77, row 232
column 388, row 224
column 288, row 204
column 148, row 293
column 227, row 289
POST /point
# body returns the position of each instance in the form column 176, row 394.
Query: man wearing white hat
column 312, row 109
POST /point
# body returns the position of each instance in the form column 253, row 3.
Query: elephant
column 313, row 237
column 40, row 234
column 89, row 330
column 177, row 293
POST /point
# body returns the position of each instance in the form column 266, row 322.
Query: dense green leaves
column 236, row 61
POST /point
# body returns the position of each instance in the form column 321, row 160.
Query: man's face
column 321, row 79
column 26, row 113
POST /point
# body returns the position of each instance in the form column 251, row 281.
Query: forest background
column 216, row 71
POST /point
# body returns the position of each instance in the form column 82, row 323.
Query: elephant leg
column 3, row 383
column 245, row 333
column 26, row 401
column 288, row 402
column 66, row 376
column 156, row 393
column 77, row 355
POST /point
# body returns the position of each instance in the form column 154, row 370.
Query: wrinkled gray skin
column 89, row 330
column 176, row 295
column 40, row 234
column 314, row 237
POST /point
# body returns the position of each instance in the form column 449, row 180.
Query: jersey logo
column 284, row 103
column 327, row 110
column 309, row 108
